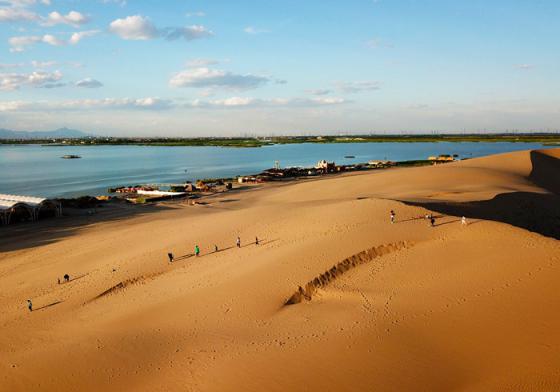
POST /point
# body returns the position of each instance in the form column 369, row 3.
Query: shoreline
column 73, row 218
column 217, row 163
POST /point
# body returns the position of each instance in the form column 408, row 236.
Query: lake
column 40, row 171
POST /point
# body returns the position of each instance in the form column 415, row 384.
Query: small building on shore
column 441, row 158
column 325, row 166
column 380, row 164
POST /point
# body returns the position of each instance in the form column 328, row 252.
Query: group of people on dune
column 216, row 249
column 429, row 217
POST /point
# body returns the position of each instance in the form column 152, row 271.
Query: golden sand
column 409, row 307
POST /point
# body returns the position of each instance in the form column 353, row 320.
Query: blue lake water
column 40, row 171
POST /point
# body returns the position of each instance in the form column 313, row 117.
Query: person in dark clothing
column 215, row 248
column 171, row 258
column 30, row 305
column 256, row 240
column 392, row 216
column 433, row 221
column 66, row 278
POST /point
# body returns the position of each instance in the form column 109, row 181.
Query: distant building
column 380, row 163
column 441, row 158
column 325, row 166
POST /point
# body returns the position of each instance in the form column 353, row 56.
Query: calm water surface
column 40, row 171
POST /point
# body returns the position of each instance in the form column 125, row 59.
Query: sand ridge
column 337, row 270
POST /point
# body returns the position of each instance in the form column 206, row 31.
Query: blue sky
column 205, row 68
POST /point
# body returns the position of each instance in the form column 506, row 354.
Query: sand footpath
column 407, row 307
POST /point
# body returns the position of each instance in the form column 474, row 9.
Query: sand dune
column 458, row 308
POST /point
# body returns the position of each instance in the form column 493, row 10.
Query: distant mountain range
column 57, row 133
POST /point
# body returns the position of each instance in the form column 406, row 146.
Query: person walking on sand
column 432, row 221
column 392, row 216
column 66, row 278
column 30, row 305
column 256, row 240
column 171, row 258
column 196, row 250
column 215, row 248
column 463, row 221
column 238, row 242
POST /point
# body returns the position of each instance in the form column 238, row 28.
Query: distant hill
column 57, row 133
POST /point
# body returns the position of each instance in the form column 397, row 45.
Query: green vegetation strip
column 549, row 139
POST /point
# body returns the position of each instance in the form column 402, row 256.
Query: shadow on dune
column 546, row 171
column 31, row 234
column 47, row 306
column 537, row 212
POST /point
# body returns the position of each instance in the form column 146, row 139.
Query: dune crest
column 537, row 210
column 339, row 269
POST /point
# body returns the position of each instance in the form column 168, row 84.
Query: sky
column 243, row 68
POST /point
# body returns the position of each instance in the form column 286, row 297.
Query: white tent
column 34, row 205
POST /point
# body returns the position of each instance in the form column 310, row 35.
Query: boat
column 71, row 157
column 349, row 156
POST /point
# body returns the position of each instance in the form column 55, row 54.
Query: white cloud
column 228, row 102
column 245, row 102
column 188, row 33
column 149, row 103
column 52, row 40
column 89, row 83
column 134, row 27
column 158, row 104
column 152, row 103
column 73, row 18
column 19, row 44
column 78, row 36
column 254, row 30
column 24, row 3
column 140, row 28
column 358, row 87
column 18, row 11
column 16, row 14
column 40, row 78
column 11, row 106
column 210, row 78
column 14, row 81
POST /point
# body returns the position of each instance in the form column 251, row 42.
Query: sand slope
column 457, row 309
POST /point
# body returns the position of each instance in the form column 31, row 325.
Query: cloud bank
column 140, row 28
